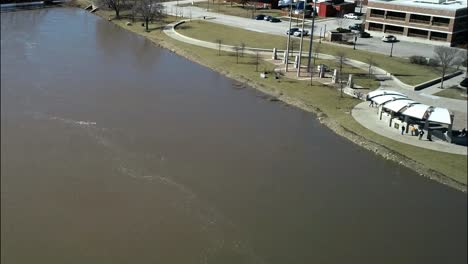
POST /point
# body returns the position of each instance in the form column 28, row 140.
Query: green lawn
column 360, row 76
column 408, row 73
column 453, row 92
column 319, row 96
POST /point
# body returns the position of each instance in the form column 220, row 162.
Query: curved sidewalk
column 367, row 117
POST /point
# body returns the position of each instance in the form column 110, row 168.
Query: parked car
column 464, row 84
column 389, row 38
column 300, row 33
column 267, row 18
column 274, row 20
column 355, row 27
column 291, row 31
column 351, row 16
column 259, row 17
column 364, row 34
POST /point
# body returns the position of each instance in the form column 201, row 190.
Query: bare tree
column 316, row 51
column 219, row 41
column 243, row 2
column 149, row 10
column 446, row 57
column 371, row 63
column 256, row 61
column 236, row 50
column 242, row 48
column 116, row 5
column 341, row 58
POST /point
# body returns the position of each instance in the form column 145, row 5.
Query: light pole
column 302, row 41
column 391, row 50
column 289, row 36
column 312, row 37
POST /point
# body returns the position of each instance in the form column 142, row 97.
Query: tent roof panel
column 416, row 111
column 383, row 92
column 386, row 98
column 397, row 105
column 440, row 115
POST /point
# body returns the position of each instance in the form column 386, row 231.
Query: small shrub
column 343, row 30
column 418, row 60
column 433, row 63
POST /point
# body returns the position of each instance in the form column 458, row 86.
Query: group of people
column 414, row 131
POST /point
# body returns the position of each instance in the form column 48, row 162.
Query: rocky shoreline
column 378, row 149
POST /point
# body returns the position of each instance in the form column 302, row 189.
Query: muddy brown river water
column 115, row 151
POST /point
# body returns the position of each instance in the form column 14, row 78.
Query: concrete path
column 367, row 117
column 388, row 82
column 404, row 48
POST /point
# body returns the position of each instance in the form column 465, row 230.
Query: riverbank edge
column 370, row 145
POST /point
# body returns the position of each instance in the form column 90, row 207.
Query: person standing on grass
column 402, row 129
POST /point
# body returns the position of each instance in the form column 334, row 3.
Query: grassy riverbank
column 408, row 73
column 332, row 110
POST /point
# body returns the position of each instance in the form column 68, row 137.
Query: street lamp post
column 312, row 37
column 302, row 41
column 289, row 36
column 391, row 50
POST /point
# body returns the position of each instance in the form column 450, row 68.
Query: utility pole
column 289, row 36
column 302, row 41
column 312, row 37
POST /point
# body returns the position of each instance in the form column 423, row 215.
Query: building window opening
column 396, row 15
column 412, row 32
column 375, row 26
column 441, row 21
column 393, row 29
column 439, row 36
column 377, row 13
column 420, row 19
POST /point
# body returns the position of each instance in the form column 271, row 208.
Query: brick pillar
column 407, row 17
column 405, row 31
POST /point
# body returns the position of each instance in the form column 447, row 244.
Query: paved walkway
column 360, row 113
column 367, row 117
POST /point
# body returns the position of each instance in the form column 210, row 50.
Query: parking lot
column 402, row 48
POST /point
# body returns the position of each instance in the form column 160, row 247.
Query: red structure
column 333, row 8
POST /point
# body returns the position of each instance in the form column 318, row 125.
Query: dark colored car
column 259, row 17
column 274, row 20
column 464, row 83
column 355, row 27
column 364, row 35
column 291, row 31
column 267, row 18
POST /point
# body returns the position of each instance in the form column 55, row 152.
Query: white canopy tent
column 417, row 111
column 387, row 98
column 383, row 92
column 440, row 115
column 397, row 105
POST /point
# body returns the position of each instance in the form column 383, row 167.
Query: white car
column 299, row 33
column 351, row 16
column 389, row 38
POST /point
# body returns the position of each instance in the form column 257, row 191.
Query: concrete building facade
column 437, row 20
